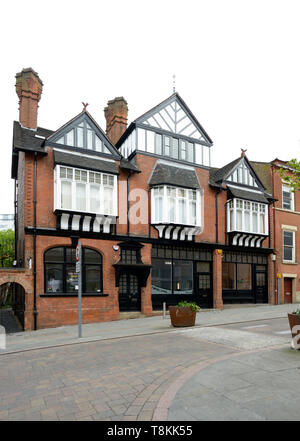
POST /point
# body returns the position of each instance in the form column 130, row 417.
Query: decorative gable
column 243, row 174
column 174, row 116
column 82, row 132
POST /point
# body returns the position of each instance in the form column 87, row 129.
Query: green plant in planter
column 297, row 312
column 194, row 307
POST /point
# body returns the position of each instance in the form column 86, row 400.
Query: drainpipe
column 128, row 187
column 274, row 237
column 15, row 221
column 34, row 243
column 217, row 217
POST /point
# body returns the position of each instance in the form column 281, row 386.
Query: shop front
column 181, row 273
column 245, row 277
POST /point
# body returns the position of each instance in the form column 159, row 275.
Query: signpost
column 79, row 272
column 279, row 276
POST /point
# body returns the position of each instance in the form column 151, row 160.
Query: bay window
column 246, row 216
column 85, row 191
column 176, row 205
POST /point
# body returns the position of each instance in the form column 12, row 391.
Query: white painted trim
column 84, row 155
column 289, row 227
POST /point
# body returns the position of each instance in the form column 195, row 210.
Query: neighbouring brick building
column 157, row 223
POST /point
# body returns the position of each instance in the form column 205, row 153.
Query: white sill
column 288, row 262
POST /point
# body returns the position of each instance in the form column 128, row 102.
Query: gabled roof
column 164, row 117
column 84, row 116
column 167, row 174
column 225, row 172
column 29, row 140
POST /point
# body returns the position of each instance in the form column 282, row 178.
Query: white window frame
column 161, row 191
column 57, row 191
column 287, row 189
column 233, row 205
column 293, row 247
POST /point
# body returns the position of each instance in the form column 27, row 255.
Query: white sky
column 236, row 64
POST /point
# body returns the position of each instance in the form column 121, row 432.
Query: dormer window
column 83, row 136
column 242, row 175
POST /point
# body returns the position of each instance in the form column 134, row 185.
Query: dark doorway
column 129, row 292
column 12, row 307
column 203, row 284
column 261, row 284
column 288, row 290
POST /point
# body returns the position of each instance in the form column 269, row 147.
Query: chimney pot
column 29, row 90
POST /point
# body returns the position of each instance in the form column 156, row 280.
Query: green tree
column 291, row 174
column 7, row 248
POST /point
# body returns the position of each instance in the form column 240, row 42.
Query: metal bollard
column 164, row 310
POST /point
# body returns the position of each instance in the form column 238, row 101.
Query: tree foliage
column 291, row 174
column 7, row 248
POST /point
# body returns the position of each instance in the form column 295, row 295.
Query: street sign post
column 79, row 272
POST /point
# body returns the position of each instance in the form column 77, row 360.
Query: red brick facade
column 57, row 310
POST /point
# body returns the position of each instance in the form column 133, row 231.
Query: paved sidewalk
column 259, row 386
column 142, row 326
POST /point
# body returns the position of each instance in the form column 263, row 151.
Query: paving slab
column 139, row 326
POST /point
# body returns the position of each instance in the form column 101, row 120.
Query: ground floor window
column 172, row 276
column 237, row 276
column 60, row 274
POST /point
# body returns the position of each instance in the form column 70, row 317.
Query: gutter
column 34, row 242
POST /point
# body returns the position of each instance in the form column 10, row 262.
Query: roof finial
column 243, row 152
column 84, row 106
column 174, row 77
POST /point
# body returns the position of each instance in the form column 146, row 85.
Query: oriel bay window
column 176, row 205
column 85, row 191
column 60, row 274
column 246, row 216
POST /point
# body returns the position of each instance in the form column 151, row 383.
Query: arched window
column 60, row 274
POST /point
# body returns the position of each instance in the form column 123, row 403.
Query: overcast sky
column 236, row 63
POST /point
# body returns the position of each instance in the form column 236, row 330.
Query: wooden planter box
column 294, row 320
column 182, row 316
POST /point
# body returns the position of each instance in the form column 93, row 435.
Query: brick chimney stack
column 29, row 90
column 116, row 118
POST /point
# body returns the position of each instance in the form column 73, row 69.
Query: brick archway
column 21, row 277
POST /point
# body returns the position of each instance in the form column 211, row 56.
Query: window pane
column 71, row 279
column 66, row 195
column 79, row 137
column 54, row 277
column 167, row 146
column 98, row 144
column 158, row 209
column 80, row 197
column 203, row 267
column 190, row 152
column 95, row 198
column 254, row 221
column 175, row 148
column 244, row 276
column 193, row 213
column 54, row 255
column 288, row 238
column 247, row 221
column 108, row 200
column 183, row 277
column 70, row 255
column 182, row 211
column 161, row 276
column 228, row 276
column 183, row 150
column 158, row 144
column 89, row 139
column 239, row 220
column 70, row 138
column 91, row 256
column 92, row 278
column 288, row 253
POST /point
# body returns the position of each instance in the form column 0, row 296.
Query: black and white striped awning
column 247, row 240
column 85, row 222
column 177, row 232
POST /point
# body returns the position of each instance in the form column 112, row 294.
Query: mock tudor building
column 157, row 223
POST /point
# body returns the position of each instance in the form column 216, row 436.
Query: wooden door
column 288, row 290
